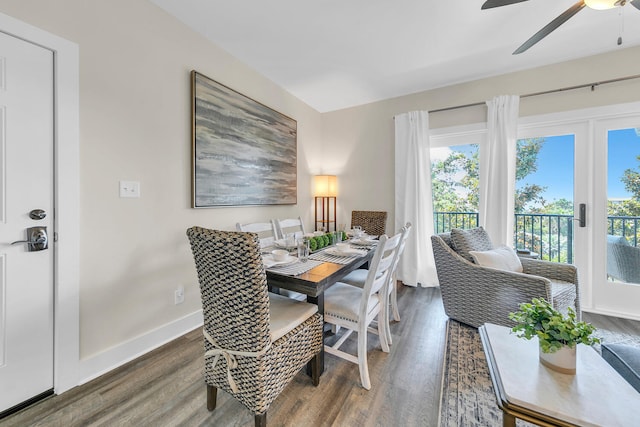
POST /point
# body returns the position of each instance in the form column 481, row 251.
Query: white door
column 549, row 223
column 26, row 187
column 617, row 217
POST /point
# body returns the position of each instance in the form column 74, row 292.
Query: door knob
column 37, row 239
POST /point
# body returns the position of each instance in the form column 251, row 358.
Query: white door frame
column 614, row 297
column 66, row 201
column 588, row 246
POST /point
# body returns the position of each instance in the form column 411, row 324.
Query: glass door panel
column 623, row 205
column 617, row 236
column 544, row 199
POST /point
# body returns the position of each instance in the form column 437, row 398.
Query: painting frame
column 243, row 152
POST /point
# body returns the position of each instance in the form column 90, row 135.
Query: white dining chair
column 290, row 225
column 355, row 308
column 266, row 232
column 358, row 278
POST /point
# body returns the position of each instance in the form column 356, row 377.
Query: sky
column 556, row 169
column 555, row 164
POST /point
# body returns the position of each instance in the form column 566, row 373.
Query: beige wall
column 361, row 138
column 135, row 125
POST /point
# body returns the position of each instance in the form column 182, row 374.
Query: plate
column 269, row 262
column 364, row 241
column 348, row 252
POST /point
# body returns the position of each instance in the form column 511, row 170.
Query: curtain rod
column 591, row 85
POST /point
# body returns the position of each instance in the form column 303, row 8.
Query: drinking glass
column 303, row 249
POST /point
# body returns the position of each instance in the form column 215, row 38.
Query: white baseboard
column 114, row 357
column 622, row 315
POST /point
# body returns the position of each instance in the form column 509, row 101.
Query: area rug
column 468, row 398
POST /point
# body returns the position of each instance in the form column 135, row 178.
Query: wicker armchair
column 372, row 222
column 623, row 260
column 255, row 341
column 474, row 295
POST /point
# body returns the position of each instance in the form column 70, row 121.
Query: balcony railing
column 445, row 221
column 551, row 236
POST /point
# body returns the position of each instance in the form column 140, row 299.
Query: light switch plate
column 129, row 189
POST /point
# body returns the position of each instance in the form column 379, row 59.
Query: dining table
column 314, row 282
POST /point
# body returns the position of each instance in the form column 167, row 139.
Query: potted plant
column 558, row 335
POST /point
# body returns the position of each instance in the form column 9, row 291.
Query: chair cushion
column 626, row 360
column 343, row 300
column 502, row 258
column 563, row 293
column 474, row 239
column 285, row 314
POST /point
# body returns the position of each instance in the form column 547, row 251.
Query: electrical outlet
column 178, row 295
column 130, row 189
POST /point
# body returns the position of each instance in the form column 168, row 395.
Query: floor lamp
column 325, row 192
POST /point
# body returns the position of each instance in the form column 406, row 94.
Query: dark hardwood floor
column 165, row 387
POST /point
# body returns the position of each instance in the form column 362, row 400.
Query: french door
column 550, row 192
column 592, row 162
column 616, row 222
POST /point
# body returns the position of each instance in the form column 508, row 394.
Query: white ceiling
column 336, row 54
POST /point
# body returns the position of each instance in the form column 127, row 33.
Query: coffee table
column 595, row 396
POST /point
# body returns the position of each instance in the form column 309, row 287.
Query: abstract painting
column 244, row 153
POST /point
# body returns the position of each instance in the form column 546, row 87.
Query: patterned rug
column 468, row 398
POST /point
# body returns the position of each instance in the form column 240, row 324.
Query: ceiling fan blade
column 636, row 4
column 564, row 17
column 497, row 3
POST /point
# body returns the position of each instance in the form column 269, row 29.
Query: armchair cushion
column 502, row 258
column 474, row 239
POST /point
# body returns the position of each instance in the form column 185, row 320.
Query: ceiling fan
column 564, row 17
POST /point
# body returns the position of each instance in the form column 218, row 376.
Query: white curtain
column 413, row 197
column 498, row 169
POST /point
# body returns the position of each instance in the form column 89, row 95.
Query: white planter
column 563, row 360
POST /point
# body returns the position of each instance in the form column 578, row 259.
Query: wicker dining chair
column 254, row 341
column 372, row 222
column 474, row 295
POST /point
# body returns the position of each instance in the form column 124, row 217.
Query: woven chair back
column 372, row 222
column 233, row 285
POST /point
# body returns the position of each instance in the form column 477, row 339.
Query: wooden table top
column 595, row 396
column 314, row 282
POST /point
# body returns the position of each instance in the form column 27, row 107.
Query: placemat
column 295, row 268
column 323, row 256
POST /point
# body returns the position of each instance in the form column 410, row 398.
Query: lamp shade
column 601, row 4
column 325, row 186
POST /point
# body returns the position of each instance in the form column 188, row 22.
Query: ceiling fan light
column 601, row 4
